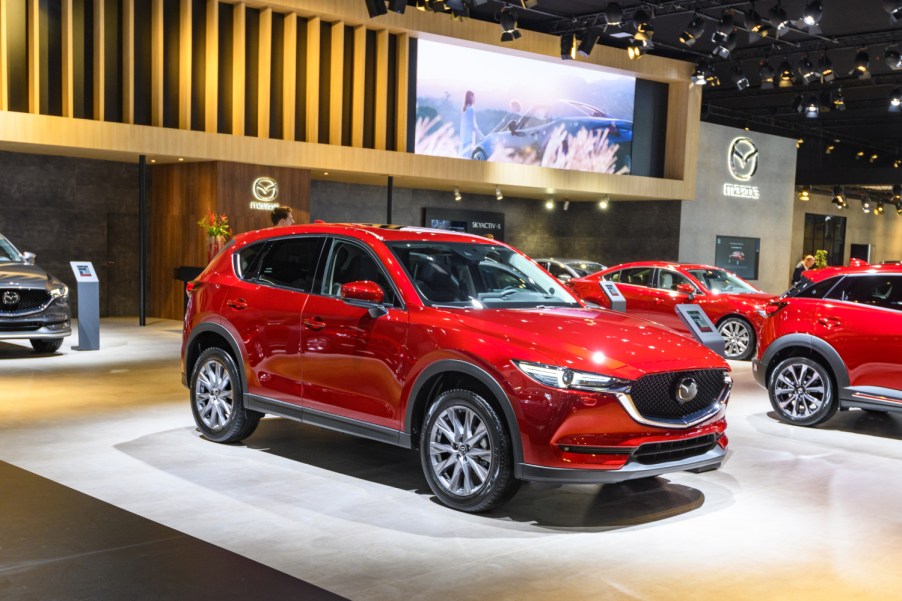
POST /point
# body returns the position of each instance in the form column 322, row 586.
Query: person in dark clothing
column 804, row 265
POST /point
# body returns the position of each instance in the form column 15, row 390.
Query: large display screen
column 491, row 106
column 739, row 255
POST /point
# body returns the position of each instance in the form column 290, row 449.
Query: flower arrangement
column 216, row 226
column 820, row 259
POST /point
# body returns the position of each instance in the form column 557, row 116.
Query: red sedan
column 653, row 289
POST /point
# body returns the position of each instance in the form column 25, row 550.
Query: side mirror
column 29, row 257
column 366, row 294
column 565, row 277
column 686, row 289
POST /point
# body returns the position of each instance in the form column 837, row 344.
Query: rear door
column 633, row 283
column 664, row 297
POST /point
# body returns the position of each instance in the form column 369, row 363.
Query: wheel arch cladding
column 809, row 346
column 208, row 335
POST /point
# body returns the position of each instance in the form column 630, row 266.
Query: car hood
column 754, row 299
column 594, row 340
column 23, row 275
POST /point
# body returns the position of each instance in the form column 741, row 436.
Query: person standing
column 281, row 215
column 469, row 129
column 803, row 265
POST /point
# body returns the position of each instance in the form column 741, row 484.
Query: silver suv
column 33, row 303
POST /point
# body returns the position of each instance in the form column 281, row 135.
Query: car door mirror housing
column 686, row 289
column 366, row 294
column 29, row 257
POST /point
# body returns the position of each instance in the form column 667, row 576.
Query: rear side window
column 875, row 290
column 637, row 276
column 247, row 259
column 291, row 262
column 818, row 290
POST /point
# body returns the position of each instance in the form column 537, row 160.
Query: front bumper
column 632, row 470
column 54, row 321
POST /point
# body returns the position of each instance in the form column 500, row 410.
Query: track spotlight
column 859, row 155
column 825, row 67
column 839, row 101
column 635, row 49
column 812, row 108
column 757, row 26
column 604, row 203
column 587, row 42
column 807, row 70
column 778, row 18
column 457, row 195
column 892, row 58
column 799, row 142
column 874, row 158
column 724, row 48
column 549, row 204
column 614, row 14
column 702, row 73
column 498, row 194
column 766, row 73
column 798, row 104
column 645, row 31
column 829, row 148
column 398, row 6
column 740, row 80
column 805, row 193
column 862, row 65
column 784, row 74
column 897, row 192
column 813, row 13
column 895, row 100
column 694, row 30
column 879, row 210
column 509, row 31
column 375, row 8
column 566, row 205
column 839, row 197
column 724, row 27
column 568, row 47
column 865, row 204
column 894, row 8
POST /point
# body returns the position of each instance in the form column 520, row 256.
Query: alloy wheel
column 799, row 390
column 736, row 338
column 213, row 395
column 460, row 451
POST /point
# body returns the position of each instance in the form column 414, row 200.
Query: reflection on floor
column 795, row 513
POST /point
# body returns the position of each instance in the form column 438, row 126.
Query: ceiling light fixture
column 813, row 13
column 784, row 74
column 568, row 47
column 587, row 42
column 498, row 194
column 879, row 210
column 894, row 8
column 724, row 27
column 766, row 73
column 865, row 204
column 812, row 108
column 839, row 198
column 778, row 18
column 757, row 26
column 614, row 14
column 805, row 193
column 807, row 70
column 825, row 67
column 897, row 192
column 693, row 32
column 549, row 204
column 457, row 196
column 724, row 48
column 509, row 31
column 861, row 66
column 895, row 100
column 702, row 72
column 829, row 149
column 839, row 101
column 604, row 203
column 740, row 80
column 873, row 158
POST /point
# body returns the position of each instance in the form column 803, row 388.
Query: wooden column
column 381, row 101
column 264, row 73
column 4, row 58
column 68, row 59
column 185, row 62
column 289, row 76
column 156, row 63
column 336, row 82
column 34, row 56
column 239, row 71
column 359, row 87
column 128, row 62
column 312, row 92
column 99, row 83
column 403, row 82
column 211, row 68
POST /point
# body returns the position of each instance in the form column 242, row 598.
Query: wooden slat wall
column 99, row 82
column 4, row 57
column 128, row 62
column 239, row 71
column 34, row 57
column 264, row 73
column 211, row 61
column 68, row 59
column 289, row 76
column 185, row 64
column 157, row 63
column 312, row 87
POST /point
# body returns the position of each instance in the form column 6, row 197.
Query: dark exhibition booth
column 434, row 299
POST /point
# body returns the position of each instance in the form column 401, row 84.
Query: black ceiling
column 846, row 27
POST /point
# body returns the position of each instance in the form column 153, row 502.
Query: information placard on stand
column 610, row 289
column 702, row 327
column 88, row 305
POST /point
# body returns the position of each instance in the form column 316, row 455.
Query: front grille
column 20, row 326
column 22, row 300
column 662, row 452
column 655, row 395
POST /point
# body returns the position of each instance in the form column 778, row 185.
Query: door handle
column 237, row 303
column 658, row 301
column 314, row 324
column 829, row 322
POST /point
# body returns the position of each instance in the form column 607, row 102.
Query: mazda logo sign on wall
column 265, row 189
column 10, row 297
column 686, row 390
column 743, row 159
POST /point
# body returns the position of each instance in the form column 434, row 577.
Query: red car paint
column 650, row 299
column 374, row 369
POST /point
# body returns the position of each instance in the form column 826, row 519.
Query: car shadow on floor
column 585, row 507
column 857, row 421
column 10, row 350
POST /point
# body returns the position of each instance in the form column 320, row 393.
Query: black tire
column 801, row 392
column 475, row 471
column 46, row 345
column 738, row 338
column 479, row 155
column 217, row 400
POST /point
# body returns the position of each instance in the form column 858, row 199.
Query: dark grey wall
column 627, row 231
column 65, row 210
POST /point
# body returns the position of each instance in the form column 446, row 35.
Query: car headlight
column 566, row 378
column 61, row 291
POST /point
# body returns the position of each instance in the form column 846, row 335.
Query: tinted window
column 352, row 263
column 291, row 262
column 669, row 280
column 818, row 290
column 558, row 270
column 719, row 280
column 246, row 260
column 638, row 276
column 876, row 290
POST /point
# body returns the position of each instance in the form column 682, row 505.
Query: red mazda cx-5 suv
column 834, row 342
column 653, row 289
column 452, row 344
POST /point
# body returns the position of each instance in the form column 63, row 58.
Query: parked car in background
column 653, row 289
column 34, row 304
column 452, row 344
column 567, row 269
column 834, row 342
column 737, row 257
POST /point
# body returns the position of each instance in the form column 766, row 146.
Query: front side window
column 669, row 280
column 352, row 263
column 584, row 268
column 810, row 290
column 478, row 275
column 558, row 270
column 291, row 262
column 719, row 280
column 8, row 252
column 875, row 290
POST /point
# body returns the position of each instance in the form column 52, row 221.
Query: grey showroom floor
column 794, row 514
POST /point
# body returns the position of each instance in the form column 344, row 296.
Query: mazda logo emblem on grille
column 10, row 297
column 686, row 390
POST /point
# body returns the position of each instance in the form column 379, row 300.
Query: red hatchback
column 452, row 344
column 834, row 342
column 653, row 289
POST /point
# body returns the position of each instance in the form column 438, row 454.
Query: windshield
column 720, row 281
column 584, row 268
column 8, row 252
column 478, row 275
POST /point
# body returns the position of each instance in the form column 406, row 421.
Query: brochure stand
column 702, row 327
column 618, row 303
column 88, row 306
